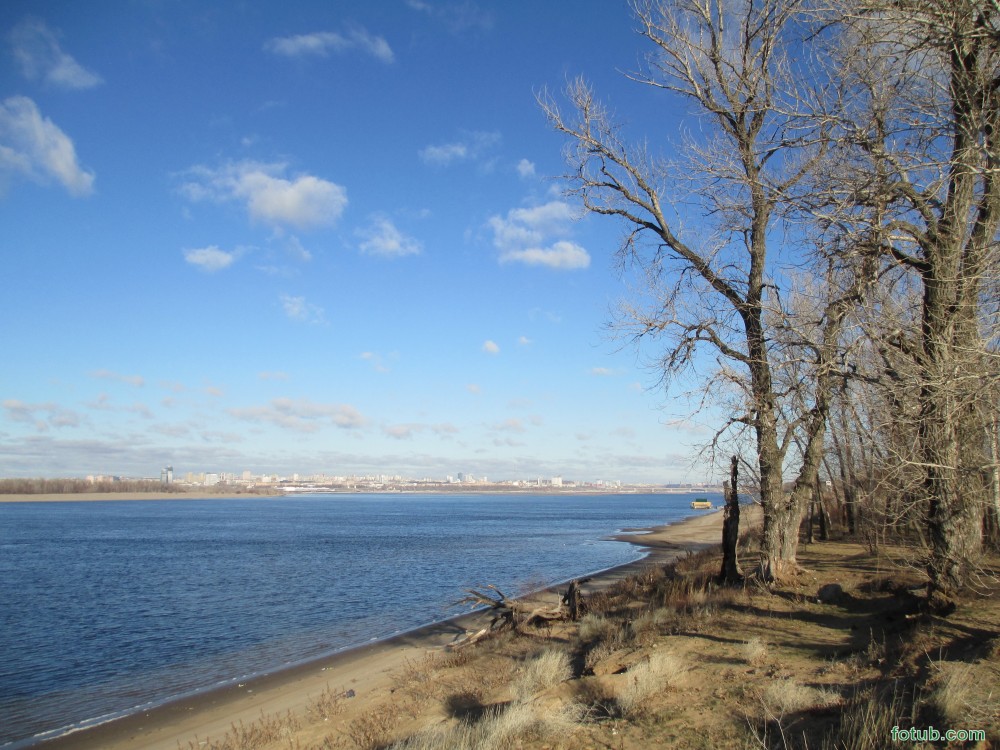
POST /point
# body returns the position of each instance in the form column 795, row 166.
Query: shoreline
column 89, row 497
column 363, row 669
column 73, row 497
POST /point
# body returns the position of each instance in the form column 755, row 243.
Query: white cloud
column 35, row 147
column 406, row 431
column 474, row 389
column 444, row 154
column 36, row 49
column 209, row 259
column 526, row 168
column 303, row 201
column 322, row 43
column 510, row 425
column 522, row 235
column 376, row 361
column 136, row 380
column 403, row 431
column 294, row 247
column 103, row 403
column 297, row 308
column 382, row 238
column 471, row 147
column 561, row 255
column 459, row 17
column 601, row 372
column 273, row 375
column 302, row 415
column 42, row 416
column 491, row 347
column 530, row 226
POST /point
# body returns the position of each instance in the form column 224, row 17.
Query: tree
column 916, row 177
column 715, row 288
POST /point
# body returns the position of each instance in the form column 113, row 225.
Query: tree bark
column 731, row 572
column 824, row 521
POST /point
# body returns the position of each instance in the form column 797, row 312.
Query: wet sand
column 364, row 670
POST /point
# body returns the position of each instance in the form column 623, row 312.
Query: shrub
column 782, row 697
column 755, row 652
column 327, row 704
column 501, row 729
column 545, row 671
column 648, row 678
column 595, row 628
column 372, row 729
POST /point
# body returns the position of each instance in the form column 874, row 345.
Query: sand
column 364, row 670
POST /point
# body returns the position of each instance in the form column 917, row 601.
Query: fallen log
column 513, row 613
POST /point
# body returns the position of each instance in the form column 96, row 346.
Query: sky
column 316, row 237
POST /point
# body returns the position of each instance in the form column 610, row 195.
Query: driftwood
column 573, row 600
column 512, row 613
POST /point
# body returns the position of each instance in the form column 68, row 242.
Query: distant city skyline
column 318, row 236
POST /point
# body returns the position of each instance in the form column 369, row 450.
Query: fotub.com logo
column 935, row 735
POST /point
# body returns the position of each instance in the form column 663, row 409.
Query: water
column 109, row 606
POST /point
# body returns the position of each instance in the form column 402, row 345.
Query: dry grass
column 669, row 659
column 755, row 652
column 501, row 729
column 964, row 695
column 866, row 721
column 257, row 735
column 596, row 655
column 644, row 629
column 373, row 729
column 788, row 696
column 648, row 679
column 545, row 671
column 327, row 704
column 594, row 628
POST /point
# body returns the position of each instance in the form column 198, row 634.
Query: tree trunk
column 810, row 518
column 951, row 438
column 731, row 572
column 781, row 523
column 824, row 534
column 995, row 480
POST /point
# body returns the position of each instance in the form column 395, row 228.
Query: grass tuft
column 373, row 729
column 649, row 678
column 500, row 729
column 548, row 669
column 755, row 652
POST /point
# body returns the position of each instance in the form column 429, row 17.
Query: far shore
column 268, row 492
column 80, row 497
column 366, row 670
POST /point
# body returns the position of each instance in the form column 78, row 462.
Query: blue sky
column 315, row 237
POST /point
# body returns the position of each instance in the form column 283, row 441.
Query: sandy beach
column 367, row 670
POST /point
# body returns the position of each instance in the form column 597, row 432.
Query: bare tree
column 916, row 177
column 712, row 288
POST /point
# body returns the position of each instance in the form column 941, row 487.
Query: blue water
column 109, row 606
